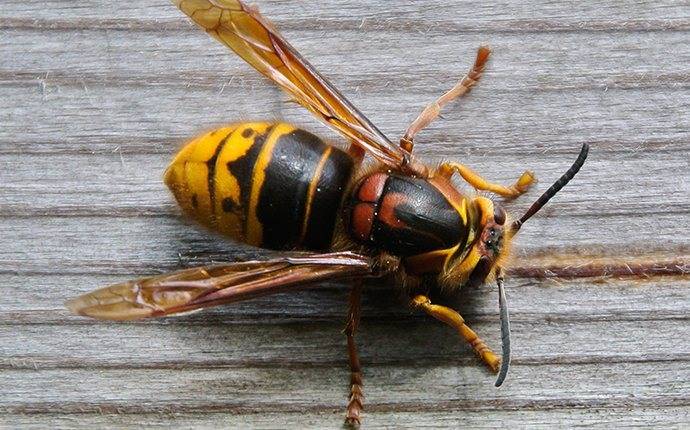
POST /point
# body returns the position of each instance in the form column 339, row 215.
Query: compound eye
column 499, row 215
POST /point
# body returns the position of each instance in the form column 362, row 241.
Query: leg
column 521, row 185
column 453, row 319
column 434, row 109
column 355, row 404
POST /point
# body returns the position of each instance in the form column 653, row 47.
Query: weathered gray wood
column 257, row 389
column 596, row 418
column 98, row 95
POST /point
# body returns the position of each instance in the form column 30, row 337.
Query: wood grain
column 97, row 96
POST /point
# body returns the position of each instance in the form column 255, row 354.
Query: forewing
column 203, row 287
column 255, row 39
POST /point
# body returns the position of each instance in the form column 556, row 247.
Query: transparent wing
column 255, row 39
column 203, row 287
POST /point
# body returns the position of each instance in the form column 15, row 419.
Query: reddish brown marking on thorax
column 366, row 205
column 372, row 187
column 362, row 219
column 387, row 207
column 402, row 215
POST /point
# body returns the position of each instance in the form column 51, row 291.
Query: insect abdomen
column 267, row 185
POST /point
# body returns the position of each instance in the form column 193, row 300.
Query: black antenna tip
column 555, row 188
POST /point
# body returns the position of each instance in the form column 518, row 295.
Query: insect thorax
column 405, row 216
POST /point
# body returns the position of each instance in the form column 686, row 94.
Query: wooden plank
column 638, row 15
column 418, row 343
column 579, row 94
column 99, row 95
column 595, row 418
column 606, row 298
column 312, row 389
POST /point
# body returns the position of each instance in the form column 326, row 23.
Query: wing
column 203, row 287
column 256, row 40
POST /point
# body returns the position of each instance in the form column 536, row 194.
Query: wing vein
column 254, row 38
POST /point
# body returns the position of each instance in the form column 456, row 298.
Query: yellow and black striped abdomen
column 268, row 185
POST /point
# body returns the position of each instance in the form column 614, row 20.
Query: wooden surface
column 98, row 95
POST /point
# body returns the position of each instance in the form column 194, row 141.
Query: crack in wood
column 312, row 407
column 44, row 364
column 388, row 25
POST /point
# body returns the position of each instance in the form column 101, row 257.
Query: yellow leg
column 453, row 319
column 521, row 185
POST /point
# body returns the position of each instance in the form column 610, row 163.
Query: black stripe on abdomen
column 283, row 196
column 211, row 176
column 326, row 201
column 242, row 169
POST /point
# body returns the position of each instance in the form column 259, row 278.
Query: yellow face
column 488, row 249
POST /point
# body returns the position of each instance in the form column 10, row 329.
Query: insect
column 274, row 186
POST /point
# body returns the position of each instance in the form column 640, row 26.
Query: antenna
column 555, row 188
column 505, row 330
